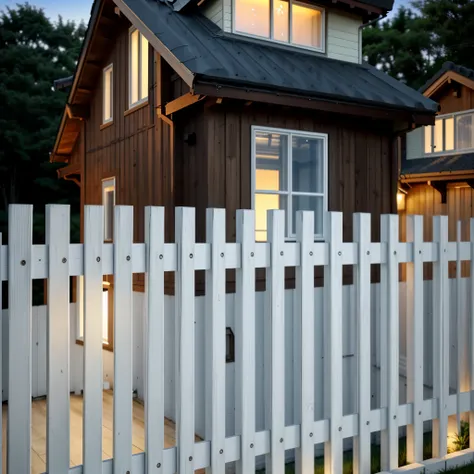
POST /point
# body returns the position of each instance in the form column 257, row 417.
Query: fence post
column 123, row 330
column 459, row 327
column 415, row 335
column 93, row 370
column 154, row 380
column 274, row 359
column 245, row 342
column 185, row 309
column 333, row 399
column 441, row 335
column 304, row 351
column 58, row 421
column 390, row 339
column 216, row 339
column 20, row 219
column 362, row 442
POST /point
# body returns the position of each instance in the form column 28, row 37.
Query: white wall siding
column 219, row 12
column 343, row 37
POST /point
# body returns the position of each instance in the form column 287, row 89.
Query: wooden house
column 235, row 104
column 437, row 165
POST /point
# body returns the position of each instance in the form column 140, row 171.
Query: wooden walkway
column 38, row 431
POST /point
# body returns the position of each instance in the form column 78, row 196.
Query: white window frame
column 108, row 183
column 322, row 49
column 289, row 215
column 456, row 150
column 145, row 99
column 105, row 120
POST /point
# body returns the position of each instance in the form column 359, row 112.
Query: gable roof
column 449, row 70
column 220, row 58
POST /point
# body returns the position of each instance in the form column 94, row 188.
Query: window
column 281, row 20
column 138, row 65
column 290, row 173
column 108, row 88
column 108, row 201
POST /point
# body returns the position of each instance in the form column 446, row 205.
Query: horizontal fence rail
column 21, row 262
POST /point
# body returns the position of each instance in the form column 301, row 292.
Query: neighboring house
column 236, row 104
column 437, row 168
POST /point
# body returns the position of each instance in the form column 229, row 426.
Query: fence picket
column 185, row 387
column 333, row 343
column 362, row 451
column 20, row 219
column 389, row 286
column 123, row 330
column 57, row 240
column 274, row 359
column 93, row 377
column 415, row 335
column 459, row 325
column 304, row 351
column 2, row 439
column 215, row 343
column 471, row 334
column 154, row 380
column 245, row 342
column 441, row 335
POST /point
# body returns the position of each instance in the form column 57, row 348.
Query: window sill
column 105, row 347
column 106, row 125
column 135, row 107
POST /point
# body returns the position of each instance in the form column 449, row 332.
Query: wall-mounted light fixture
column 401, row 199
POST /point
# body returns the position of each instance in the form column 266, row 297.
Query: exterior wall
column 342, row 29
column 450, row 103
column 425, row 200
column 343, row 37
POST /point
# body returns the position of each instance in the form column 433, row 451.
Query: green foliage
column 414, row 43
column 33, row 53
column 461, row 439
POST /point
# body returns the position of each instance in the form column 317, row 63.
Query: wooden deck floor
column 38, row 431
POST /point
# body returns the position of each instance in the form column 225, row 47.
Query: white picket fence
column 21, row 262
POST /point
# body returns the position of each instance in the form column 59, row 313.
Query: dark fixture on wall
column 190, row 139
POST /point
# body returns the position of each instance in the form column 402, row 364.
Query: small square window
column 108, row 90
column 108, row 201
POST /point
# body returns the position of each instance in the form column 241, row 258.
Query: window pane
column 309, row 203
column 109, row 200
column 134, row 37
column 281, row 22
column 428, row 148
column 464, row 131
column 438, row 136
column 263, row 203
column 253, row 17
column 306, row 26
column 308, row 165
column 107, row 95
column 105, row 316
column 449, row 134
column 271, row 150
column 144, row 68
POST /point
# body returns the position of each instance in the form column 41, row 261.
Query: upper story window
column 290, row 173
column 138, row 68
column 108, row 89
column 451, row 133
column 281, row 20
column 108, row 201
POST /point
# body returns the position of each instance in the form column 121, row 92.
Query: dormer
column 332, row 29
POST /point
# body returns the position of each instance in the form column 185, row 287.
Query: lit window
column 465, row 131
column 304, row 28
column 108, row 86
column 138, row 65
column 108, row 201
column 440, row 137
column 289, row 173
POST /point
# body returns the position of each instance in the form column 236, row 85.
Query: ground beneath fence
column 38, row 431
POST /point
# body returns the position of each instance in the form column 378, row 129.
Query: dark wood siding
column 454, row 97
column 136, row 148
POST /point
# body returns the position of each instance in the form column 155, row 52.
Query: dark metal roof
column 449, row 66
column 63, row 83
column 438, row 164
column 221, row 58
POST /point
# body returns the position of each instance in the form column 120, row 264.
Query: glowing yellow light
column 401, row 204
